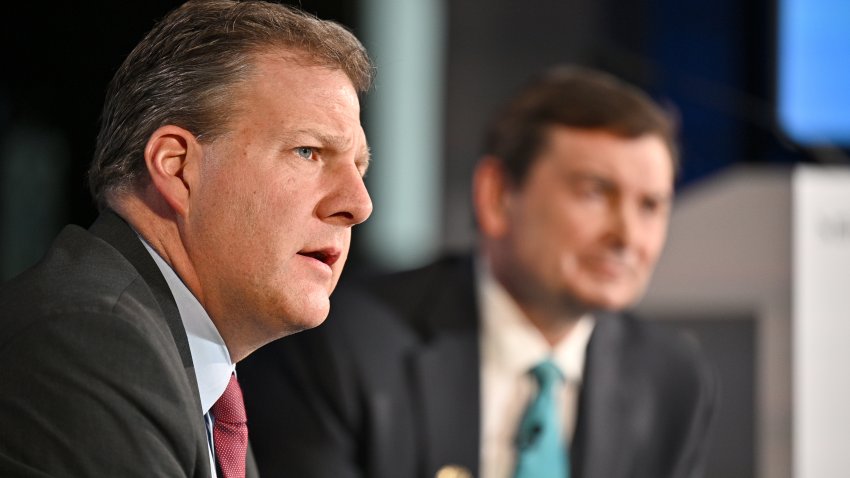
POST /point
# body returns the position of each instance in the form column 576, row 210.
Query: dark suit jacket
column 389, row 388
column 96, row 377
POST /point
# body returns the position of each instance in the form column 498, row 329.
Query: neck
column 158, row 225
column 554, row 325
column 554, row 317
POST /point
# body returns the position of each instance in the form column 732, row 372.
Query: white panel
column 821, row 322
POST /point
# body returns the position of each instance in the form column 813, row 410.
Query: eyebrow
column 580, row 176
column 589, row 176
column 363, row 159
column 327, row 140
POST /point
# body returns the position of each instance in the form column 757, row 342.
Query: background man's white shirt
column 510, row 347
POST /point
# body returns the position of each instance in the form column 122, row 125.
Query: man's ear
column 491, row 197
column 172, row 156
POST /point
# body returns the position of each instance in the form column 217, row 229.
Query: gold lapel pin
column 453, row 471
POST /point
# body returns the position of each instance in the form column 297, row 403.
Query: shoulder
column 423, row 282
column 89, row 364
column 81, row 275
column 85, row 298
column 646, row 338
column 667, row 360
column 91, row 380
column 86, row 308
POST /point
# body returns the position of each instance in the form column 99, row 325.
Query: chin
column 306, row 314
column 318, row 319
column 314, row 316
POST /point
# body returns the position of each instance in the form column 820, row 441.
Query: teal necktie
column 541, row 452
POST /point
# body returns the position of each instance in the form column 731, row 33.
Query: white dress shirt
column 210, row 357
column 510, row 346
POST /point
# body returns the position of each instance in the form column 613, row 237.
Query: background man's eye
column 593, row 191
column 305, row 152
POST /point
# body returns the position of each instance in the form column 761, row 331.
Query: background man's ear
column 172, row 156
column 491, row 197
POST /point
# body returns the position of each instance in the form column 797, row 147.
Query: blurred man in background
column 516, row 360
column 229, row 173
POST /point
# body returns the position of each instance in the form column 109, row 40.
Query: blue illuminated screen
column 814, row 71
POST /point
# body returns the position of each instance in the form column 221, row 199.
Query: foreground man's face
column 588, row 224
column 279, row 194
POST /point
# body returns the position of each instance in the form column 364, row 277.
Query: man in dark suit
column 515, row 361
column 228, row 171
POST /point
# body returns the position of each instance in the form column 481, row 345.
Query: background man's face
column 588, row 224
column 270, row 224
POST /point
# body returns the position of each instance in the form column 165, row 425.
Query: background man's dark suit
column 107, row 342
column 390, row 388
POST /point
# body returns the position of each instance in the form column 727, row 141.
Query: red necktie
column 230, row 432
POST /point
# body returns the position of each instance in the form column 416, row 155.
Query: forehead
column 285, row 90
column 285, row 68
column 644, row 161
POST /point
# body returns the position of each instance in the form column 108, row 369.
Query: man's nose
column 348, row 203
column 623, row 224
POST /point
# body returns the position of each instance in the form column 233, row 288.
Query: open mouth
column 326, row 256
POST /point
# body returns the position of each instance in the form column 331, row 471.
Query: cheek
column 546, row 233
column 274, row 205
column 655, row 243
column 231, row 200
column 573, row 233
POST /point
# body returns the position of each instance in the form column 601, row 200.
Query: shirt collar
column 511, row 342
column 210, row 357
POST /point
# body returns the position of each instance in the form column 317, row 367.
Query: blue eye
column 305, row 152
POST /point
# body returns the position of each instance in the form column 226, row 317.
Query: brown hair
column 576, row 97
column 185, row 69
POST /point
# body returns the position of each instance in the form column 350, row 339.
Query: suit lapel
column 112, row 229
column 446, row 369
column 610, row 405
